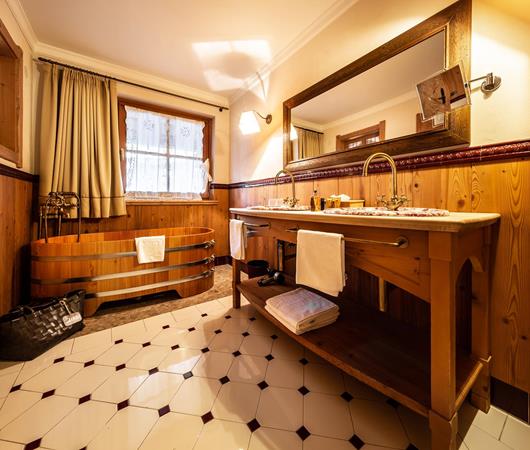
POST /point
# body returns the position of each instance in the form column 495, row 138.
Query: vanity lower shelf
column 374, row 348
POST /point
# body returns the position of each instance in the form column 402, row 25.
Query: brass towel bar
column 260, row 225
column 400, row 242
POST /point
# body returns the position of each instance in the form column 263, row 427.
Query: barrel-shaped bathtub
column 106, row 265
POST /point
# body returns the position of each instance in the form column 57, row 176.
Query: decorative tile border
column 478, row 154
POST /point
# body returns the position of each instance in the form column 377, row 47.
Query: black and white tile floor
column 210, row 377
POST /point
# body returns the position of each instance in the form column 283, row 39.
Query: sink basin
column 279, row 208
column 379, row 211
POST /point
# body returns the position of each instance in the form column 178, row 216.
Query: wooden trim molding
column 11, row 172
column 476, row 155
column 220, row 185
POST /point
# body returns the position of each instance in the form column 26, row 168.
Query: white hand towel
column 237, row 239
column 150, row 249
column 320, row 261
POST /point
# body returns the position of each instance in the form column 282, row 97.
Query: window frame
column 122, row 127
column 363, row 135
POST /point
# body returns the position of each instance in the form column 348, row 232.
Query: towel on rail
column 301, row 310
column 237, row 239
column 150, row 249
column 320, row 261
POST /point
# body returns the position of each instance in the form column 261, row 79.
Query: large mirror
column 372, row 104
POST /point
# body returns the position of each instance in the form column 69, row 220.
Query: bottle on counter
column 315, row 201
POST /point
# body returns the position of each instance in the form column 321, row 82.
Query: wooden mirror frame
column 11, row 70
column 455, row 20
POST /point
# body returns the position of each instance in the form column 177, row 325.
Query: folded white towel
column 150, row 249
column 301, row 309
column 237, row 239
column 306, row 328
column 320, row 261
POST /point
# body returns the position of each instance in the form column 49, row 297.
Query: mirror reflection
column 377, row 105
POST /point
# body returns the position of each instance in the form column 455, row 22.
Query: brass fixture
column 395, row 201
column 491, row 83
column 290, row 201
column 58, row 206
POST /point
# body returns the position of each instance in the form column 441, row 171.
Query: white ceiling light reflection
column 227, row 64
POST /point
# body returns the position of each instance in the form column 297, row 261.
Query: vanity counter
column 424, row 371
column 453, row 223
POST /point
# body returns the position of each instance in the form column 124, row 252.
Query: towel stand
column 400, row 242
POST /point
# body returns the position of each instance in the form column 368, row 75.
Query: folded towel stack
column 301, row 310
column 150, row 249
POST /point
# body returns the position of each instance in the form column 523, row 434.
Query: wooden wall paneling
column 327, row 186
column 304, row 191
column 505, row 188
column 378, row 184
column 15, row 228
column 346, row 186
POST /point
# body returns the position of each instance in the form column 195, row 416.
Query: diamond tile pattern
column 209, row 377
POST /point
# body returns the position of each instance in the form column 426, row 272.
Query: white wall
column 499, row 42
column 28, row 155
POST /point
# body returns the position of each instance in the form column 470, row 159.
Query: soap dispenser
column 315, row 201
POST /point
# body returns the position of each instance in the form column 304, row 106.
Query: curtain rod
column 132, row 83
column 307, row 129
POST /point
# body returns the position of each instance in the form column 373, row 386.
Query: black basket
column 28, row 331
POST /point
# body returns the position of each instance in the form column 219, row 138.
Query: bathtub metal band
column 134, row 273
column 206, row 244
column 145, row 287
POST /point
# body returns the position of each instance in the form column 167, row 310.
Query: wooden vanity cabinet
column 420, row 368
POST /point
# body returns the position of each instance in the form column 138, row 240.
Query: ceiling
column 209, row 44
column 391, row 79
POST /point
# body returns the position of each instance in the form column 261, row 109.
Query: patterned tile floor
column 208, row 377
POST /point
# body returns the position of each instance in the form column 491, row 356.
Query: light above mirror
column 248, row 122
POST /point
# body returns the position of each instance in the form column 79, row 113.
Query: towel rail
column 400, row 242
column 259, row 225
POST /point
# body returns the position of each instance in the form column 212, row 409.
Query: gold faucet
column 290, row 201
column 395, row 201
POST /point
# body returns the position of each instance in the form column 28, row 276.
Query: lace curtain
column 164, row 156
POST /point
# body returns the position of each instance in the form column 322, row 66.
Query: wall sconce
column 248, row 123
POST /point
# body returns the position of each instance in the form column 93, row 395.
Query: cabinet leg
column 480, row 340
column 236, row 279
column 443, row 431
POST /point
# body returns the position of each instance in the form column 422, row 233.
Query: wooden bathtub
column 106, row 265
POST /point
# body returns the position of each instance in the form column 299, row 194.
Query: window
column 358, row 138
column 164, row 152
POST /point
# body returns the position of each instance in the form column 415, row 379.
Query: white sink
column 380, row 211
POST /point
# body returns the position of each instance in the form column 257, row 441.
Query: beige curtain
column 79, row 140
column 310, row 143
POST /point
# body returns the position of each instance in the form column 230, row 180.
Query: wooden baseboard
column 510, row 399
